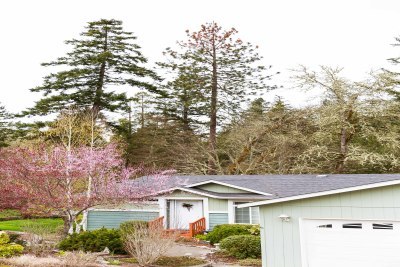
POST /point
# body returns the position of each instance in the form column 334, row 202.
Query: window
column 352, row 225
column 249, row 215
column 385, row 226
column 325, row 226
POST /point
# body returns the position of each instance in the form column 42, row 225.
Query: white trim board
column 229, row 185
column 318, row 194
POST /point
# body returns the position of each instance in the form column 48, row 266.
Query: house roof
column 286, row 186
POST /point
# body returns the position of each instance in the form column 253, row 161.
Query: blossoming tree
column 68, row 181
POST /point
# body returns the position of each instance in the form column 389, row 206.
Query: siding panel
column 112, row 219
column 218, row 218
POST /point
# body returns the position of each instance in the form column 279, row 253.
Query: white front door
column 355, row 243
column 183, row 212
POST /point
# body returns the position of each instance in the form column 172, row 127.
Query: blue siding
column 218, row 218
column 112, row 219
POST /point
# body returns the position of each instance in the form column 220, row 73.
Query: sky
column 353, row 34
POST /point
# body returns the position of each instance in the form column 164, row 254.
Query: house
column 202, row 199
column 330, row 221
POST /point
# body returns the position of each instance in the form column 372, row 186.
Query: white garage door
column 340, row 243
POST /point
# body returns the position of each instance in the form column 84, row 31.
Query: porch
column 195, row 228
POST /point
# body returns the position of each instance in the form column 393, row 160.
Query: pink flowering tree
column 69, row 181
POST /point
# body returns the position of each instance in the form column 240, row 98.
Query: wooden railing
column 157, row 223
column 197, row 227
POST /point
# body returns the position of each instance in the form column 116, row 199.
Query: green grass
column 17, row 225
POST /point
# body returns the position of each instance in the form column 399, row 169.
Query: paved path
column 178, row 250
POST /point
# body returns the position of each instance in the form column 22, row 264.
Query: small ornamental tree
column 67, row 182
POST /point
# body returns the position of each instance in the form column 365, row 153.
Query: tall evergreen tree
column 227, row 69
column 4, row 126
column 103, row 58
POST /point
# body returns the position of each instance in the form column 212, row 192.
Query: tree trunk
column 97, row 104
column 343, row 151
column 213, row 115
column 68, row 224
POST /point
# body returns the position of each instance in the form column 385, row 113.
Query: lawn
column 17, row 225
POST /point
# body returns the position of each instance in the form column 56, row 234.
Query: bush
column 225, row 230
column 8, row 249
column 129, row 226
column 242, row 246
column 94, row 241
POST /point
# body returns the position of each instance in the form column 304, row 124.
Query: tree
column 391, row 78
column 227, row 70
column 4, row 126
column 55, row 179
column 349, row 122
column 104, row 57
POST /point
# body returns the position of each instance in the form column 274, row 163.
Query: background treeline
column 202, row 109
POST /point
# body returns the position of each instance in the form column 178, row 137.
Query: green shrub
column 242, row 246
column 94, row 241
column 4, row 238
column 201, row 237
column 224, row 230
column 8, row 249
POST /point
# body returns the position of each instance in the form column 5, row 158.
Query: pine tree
column 104, row 58
column 4, row 126
column 226, row 71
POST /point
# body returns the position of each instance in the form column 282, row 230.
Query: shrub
column 129, row 226
column 225, row 230
column 8, row 249
column 4, row 238
column 146, row 244
column 94, row 241
column 242, row 246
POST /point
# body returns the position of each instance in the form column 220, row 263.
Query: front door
column 183, row 212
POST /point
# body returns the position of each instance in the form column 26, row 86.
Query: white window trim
column 231, row 212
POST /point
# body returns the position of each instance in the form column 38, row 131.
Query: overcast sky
column 354, row 34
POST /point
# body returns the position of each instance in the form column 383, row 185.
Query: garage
column 355, row 243
column 335, row 220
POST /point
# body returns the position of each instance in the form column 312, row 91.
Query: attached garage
column 367, row 243
column 331, row 221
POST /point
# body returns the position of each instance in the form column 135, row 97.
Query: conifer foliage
column 104, row 57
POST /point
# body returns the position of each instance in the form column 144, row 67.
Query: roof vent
column 322, row 175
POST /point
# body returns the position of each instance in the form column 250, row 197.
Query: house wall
column 281, row 240
column 113, row 218
column 220, row 188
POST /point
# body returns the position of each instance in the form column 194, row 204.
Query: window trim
column 236, row 204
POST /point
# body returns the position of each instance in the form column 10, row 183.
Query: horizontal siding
column 281, row 240
column 179, row 193
column 112, row 219
column 218, row 218
column 217, row 204
column 220, row 188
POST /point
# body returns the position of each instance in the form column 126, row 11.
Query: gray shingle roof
column 281, row 186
